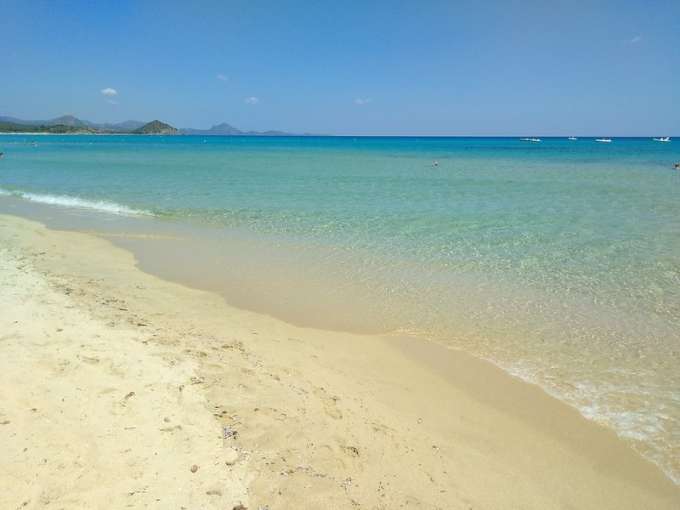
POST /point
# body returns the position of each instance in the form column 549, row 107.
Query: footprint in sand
column 329, row 403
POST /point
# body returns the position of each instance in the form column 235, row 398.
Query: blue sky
column 418, row 67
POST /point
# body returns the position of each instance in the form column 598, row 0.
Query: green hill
column 156, row 127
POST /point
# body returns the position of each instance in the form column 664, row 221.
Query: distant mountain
column 225, row 129
column 156, row 127
column 218, row 129
column 67, row 120
column 64, row 120
column 70, row 120
column 11, row 127
column 76, row 125
column 270, row 133
column 14, row 120
column 120, row 127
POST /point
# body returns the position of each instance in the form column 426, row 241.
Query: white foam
column 78, row 203
column 644, row 429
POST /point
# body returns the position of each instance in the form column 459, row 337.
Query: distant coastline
column 70, row 125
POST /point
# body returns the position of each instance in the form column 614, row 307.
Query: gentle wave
column 78, row 203
column 644, row 431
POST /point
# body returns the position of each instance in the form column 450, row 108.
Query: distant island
column 68, row 124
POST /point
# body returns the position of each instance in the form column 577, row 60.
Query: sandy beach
column 122, row 390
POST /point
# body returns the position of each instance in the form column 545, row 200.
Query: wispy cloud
column 222, row 77
column 362, row 100
column 109, row 92
column 251, row 100
column 636, row 39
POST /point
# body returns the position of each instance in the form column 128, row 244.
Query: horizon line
column 326, row 135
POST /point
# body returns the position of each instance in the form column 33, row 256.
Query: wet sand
column 119, row 389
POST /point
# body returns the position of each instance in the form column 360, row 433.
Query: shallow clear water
column 558, row 260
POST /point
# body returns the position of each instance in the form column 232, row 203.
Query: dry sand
column 121, row 390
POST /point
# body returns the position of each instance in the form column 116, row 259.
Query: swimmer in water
column 435, row 163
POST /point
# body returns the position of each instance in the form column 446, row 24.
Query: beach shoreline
column 322, row 418
column 300, row 284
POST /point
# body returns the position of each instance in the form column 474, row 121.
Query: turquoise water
column 559, row 260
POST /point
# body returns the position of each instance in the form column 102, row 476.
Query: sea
column 559, row 260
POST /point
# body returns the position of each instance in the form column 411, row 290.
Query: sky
column 344, row 67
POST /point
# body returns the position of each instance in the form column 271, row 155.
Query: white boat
column 603, row 140
column 572, row 138
column 530, row 139
column 663, row 139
